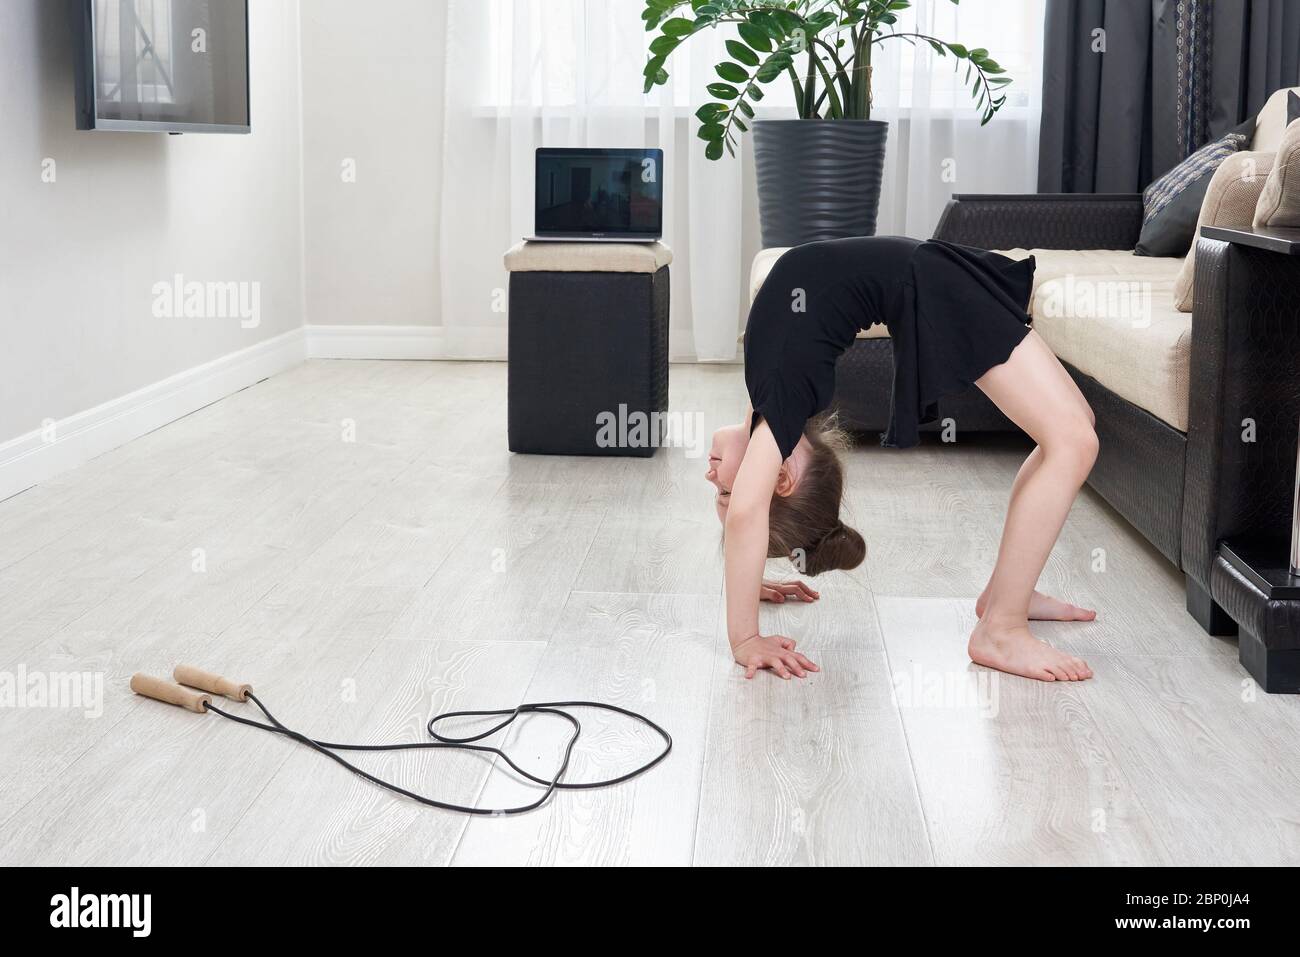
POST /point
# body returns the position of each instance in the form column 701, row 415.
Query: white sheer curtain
column 526, row 73
column 936, row 144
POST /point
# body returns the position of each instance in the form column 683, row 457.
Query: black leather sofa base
column 864, row 379
column 1140, row 465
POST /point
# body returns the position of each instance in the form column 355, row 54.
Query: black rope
column 447, row 742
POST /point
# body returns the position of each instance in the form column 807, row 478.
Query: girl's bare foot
column 1014, row 650
column 1044, row 608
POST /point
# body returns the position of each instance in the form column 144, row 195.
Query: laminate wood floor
column 355, row 540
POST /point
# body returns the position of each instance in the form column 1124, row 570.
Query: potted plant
column 819, row 175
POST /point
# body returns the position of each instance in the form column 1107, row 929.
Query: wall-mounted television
column 162, row 66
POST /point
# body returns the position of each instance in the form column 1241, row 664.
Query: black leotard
column 953, row 313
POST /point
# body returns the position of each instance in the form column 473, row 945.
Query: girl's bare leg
column 1041, row 607
column 1035, row 392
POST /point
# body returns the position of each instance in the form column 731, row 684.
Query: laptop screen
column 599, row 192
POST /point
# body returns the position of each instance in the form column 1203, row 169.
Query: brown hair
column 805, row 525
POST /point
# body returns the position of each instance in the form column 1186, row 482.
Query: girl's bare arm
column 746, row 553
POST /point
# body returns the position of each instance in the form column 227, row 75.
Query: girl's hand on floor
column 774, row 652
column 780, row 591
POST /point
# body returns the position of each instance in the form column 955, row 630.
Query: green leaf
column 678, row 27
column 786, row 21
column 769, row 71
column 746, row 108
column 999, row 80
column 742, row 53
column 755, row 37
column 723, row 91
column 765, row 22
column 714, row 150
column 662, row 46
column 709, row 111
column 740, row 124
column 711, row 131
column 959, row 51
column 732, row 71
column 653, row 66
column 754, row 92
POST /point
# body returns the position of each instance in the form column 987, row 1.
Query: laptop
column 599, row 196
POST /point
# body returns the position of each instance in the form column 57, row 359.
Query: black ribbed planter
column 818, row 179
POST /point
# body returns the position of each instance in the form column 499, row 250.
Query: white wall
column 79, row 257
column 372, row 95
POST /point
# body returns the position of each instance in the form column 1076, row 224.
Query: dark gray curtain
column 1116, row 118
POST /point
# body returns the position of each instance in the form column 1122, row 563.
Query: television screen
column 163, row 65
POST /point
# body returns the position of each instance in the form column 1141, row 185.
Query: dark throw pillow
column 1171, row 205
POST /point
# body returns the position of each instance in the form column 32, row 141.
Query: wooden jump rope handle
column 206, row 681
column 161, row 690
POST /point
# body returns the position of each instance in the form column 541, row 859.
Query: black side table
column 1255, row 579
column 588, row 348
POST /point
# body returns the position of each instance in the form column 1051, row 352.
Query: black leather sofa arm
column 1043, row 220
column 1244, row 388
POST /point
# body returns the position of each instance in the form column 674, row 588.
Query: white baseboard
column 36, row 456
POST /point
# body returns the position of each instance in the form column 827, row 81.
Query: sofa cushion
column 1272, row 121
column 1230, row 201
column 1279, row 203
column 1171, row 204
column 1124, row 331
column 1056, row 263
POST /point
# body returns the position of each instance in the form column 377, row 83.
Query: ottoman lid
column 588, row 257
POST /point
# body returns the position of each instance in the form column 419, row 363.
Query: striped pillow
column 1201, row 163
column 1171, row 204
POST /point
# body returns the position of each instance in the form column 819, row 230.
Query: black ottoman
column 588, row 348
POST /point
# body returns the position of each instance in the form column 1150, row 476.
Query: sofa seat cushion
column 1124, row 331
column 1057, row 263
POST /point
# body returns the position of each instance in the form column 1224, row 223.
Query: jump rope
column 187, row 677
